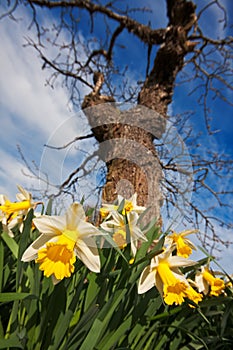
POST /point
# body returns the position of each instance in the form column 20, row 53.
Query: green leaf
column 81, row 328
column 1, row 264
column 92, row 290
column 121, row 206
column 1, row 329
column 100, row 324
column 23, row 243
column 151, row 235
column 115, row 246
column 12, row 342
column 49, row 207
column 147, row 257
column 115, row 335
column 10, row 242
column 24, row 239
column 6, row 297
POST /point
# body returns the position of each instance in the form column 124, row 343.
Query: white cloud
column 31, row 113
column 22, row 85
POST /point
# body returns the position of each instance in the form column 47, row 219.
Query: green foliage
column 104, row 311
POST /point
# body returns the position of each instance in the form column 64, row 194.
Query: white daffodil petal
column 190, row 244
column 201, row 283
column 23, row 195
column 50, row 225
column 109, row 225
column 146, row 281
column 138, row 234
column 187, row 232
column 87, row 252
column 86, row 229
column 12, row 223
column 133, row 198
column 168, row 241
column 105, row 226
column 74, row 214
column 159, row 284
column 176, row 261
column 3, row 199
column 120, row 199
column 137, row 208
column 178, row 274
column 109, row 206
column 55, row 280
column 6, row 227
column 31, row 252
column 118, row 219
column 133, row 244
column 133, row 217
column 20, row 197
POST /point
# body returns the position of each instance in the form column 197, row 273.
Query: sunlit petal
column 177, row 261
column 86, row 229
column 74, row 214
column 23, row 195
column 146, row 281
column 87, row 252
column 31, row 252
column 50, row 225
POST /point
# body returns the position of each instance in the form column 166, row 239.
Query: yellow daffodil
column 163, row 273
column 184, row 246
column 117, row 227
column 62, row 239
column 129, row 205
column 206, row 282
column 24, row 203
column 11, row 213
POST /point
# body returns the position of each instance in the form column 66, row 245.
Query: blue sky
column 33, row 114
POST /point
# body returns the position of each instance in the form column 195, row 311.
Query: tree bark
column 126, row 138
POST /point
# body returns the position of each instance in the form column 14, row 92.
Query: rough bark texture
column 158, row 88
column 132, row 163
column 126, row 146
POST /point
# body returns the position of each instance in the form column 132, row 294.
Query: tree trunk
column 126, row 137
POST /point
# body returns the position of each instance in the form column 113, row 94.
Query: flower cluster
column 67, row 237
column 165, row 273
column 121, row 222
column 62, row 239
column 12, row 213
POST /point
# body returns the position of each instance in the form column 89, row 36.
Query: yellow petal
column 175, row 293
column 10, row 208
column 217, row 285
column 183, row 249
column 57, row 258
column 119, row 238
column 173, row 289
column 127, row 207
column 193, row 295
column 104, row 212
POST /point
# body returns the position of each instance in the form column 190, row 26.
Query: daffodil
column 24, row 203
column 164, row 273
column 7, row 225
column 129, row 205
column 11, row 213
column 184, row 246
column 117, row 227
column 206, row 282
column 63, row 239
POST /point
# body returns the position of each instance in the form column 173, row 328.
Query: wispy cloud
column 32, row 114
